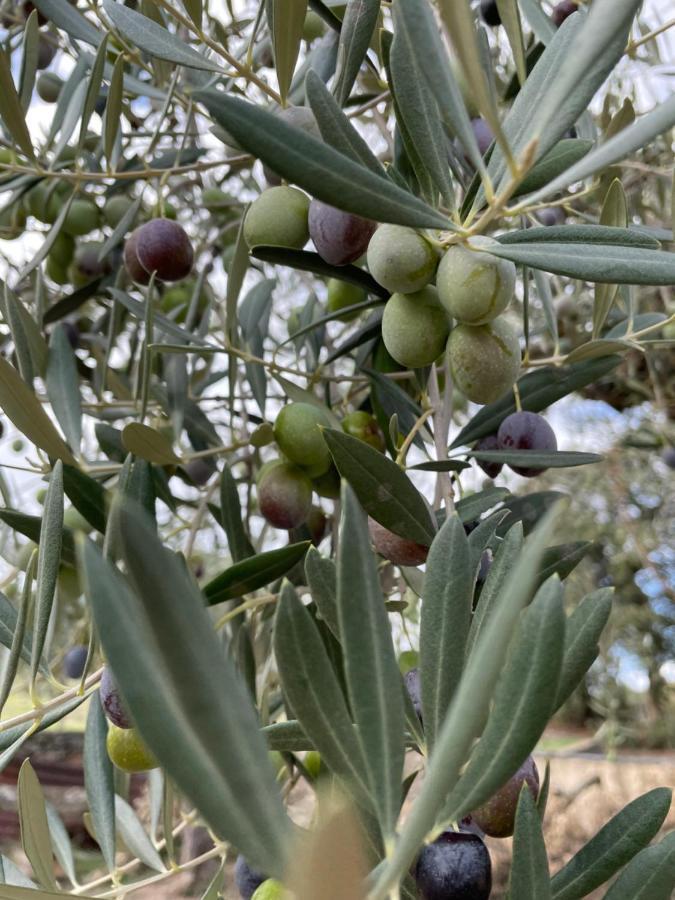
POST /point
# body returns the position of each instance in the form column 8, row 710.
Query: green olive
column 297, row 431
column 401, row 259
column 128, row 751
column 484, row 360
column 415, row 327
column 475, row 287
column 342, row 294
column 278, row 218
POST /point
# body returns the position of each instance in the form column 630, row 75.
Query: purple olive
column 398, row 550
column 562, row 11
column 112, row 702
column 74, row 661
column 456, row 866
column 526, row 431
column 489, row 443
column 497, row 817
column 339, row 237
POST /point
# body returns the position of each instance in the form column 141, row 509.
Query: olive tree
column 262, row 460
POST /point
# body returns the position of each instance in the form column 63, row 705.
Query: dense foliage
column 250, row 448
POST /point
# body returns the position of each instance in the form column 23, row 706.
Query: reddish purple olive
column 489, row 443
column 563, row 11
column 551, row 215
column 456, row 866
column 497, row 817
column 339, row 237
column 131, row 260
column 161, row 246
column 526, row 431
column 284, row 494
column 111, row 700
column 398, row 550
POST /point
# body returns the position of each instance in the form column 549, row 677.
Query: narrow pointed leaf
column 418, row 109
column 35, row 838
column 522, row 705
column 63, row 386
column 322, row 583
column 613, row 846
column 529, row 878
column 314, row 693
column 154, row 39
column 253, row 573
column 231, row 518
column 371, row 670
column 336, row 129
column 383, row 489
column 648, row 876
column 11, row 112
column 357, row 29
column 134, row 836
column 307, row 261
column 582, row 634
column 445, row 621
column 21, row 405
column 286, row 20
column 189, row 703
column 533, row 458
column 49, row 559
column 61, row 846
column 64, row 16
column 98, row 780
column 615, row 214
column 322, row 171
column 148, row 444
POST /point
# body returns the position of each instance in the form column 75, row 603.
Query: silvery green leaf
column 154, row 39
column 529, row 878
column 98, row 780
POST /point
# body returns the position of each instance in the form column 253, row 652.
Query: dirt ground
column 585, row 793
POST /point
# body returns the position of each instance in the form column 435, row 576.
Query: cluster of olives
column 285, row 485
column 472, row 288
column 125, row 746
column 521, row 430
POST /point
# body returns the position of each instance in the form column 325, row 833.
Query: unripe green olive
column 270, row 890
column 312, row 763
column 342, row 294
column 362, row 425
column 415, row 327
column 484, row 360
column 314, row 26
column 12, row 222
column 56, row 271
column 82, row 217
column 49, row 86
column 297, row 432
column 278, row 218
column 116, row 208
column 475, row 287
column 328, row 484
column 218, row 203
column 401, row 259
column 63, row 249
column 45, row 201
column 127, row 750
column 178, row 297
